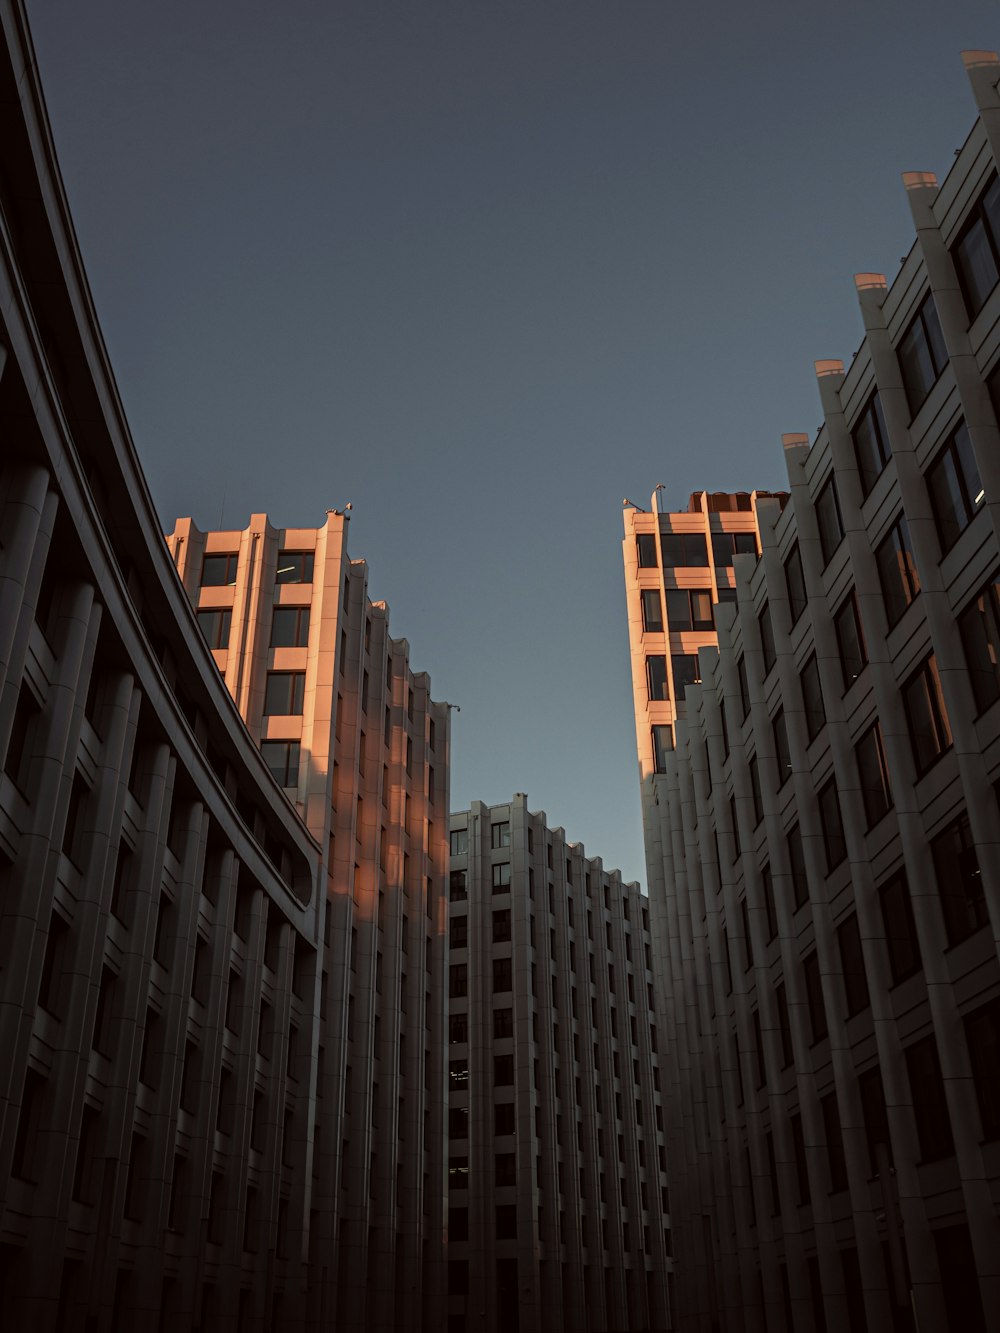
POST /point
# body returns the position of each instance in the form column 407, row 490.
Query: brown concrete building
column 822, row 838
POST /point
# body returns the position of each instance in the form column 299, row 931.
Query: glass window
column 284, row 692
column 977, row 250
column 503, row 1071
column 500, row 835
column 685, row 669
column 503, row 1113
column 930, row 1107
column 960, row 885
column 922, row 355
column 656, row 676
column 900, row 928
column 661, row 744
column 219, row 571
column 501, row 974
column 767, row 888
column 741, row 673
column 852, row 965
column 683, row 549
column 797, row 866
column 831, row 527
column 458, row 886
column 294, row 567
column 979, row 625
column 871, row 443
column 897, row 570
column 501, row 876
column 689, row 608
column 458, row 1028
column 458, row 932
column 727, row 544
column 850, row 640
column 812, row 698
column 930, row 731
column 290, row 627
column 814, row 997
column 755, row 793
column 501, row 925
column 873, row 774
column 955, row 489
column 795, row 582
column 702, row 616
column 645, row 546
column 874, row 1116
column 766, row 638
column 458, row 984
column 836, row 1160
column 215, row 625
column 782, row 752
column 982, row 1033
column 459, row 841
column 652, row 611
column 282, row 758
column 834, row 844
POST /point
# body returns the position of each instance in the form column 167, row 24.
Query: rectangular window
column 735, row 823
column 977, row 251
column 960, row 884
column 797, row 866
column 979, row 625
column 503, row 1071
column 871, row 443
column 834, row 844
column 501, row 926
column 725, row 545
column 686, row 672
column 501, row 974
column 801, row 1167
column 458, row 1028
column 836, row 1160
column 784, row 1025
column 873, row 1114
column 744, row 683
column 812, row 698
column 499, row 835
column 782, row 751
column 284, row 693
column 930, row 1107
column 290, row 627
column 661, row 745
column 955, row 489
column 767, row 885
column 645, row 548
column 219, row 571
column 459, row 841
column 850, row 640
column 282, row 758
column 982, row 1033
column 215, row 626
column 458, row 981
column 897, row 570
column 852, row 964
column 656, row 676
column 900, row 928
column 683, row 550
column 795, row 582
column 652, row 611
column 458, row 886
column 831, row 525
column 926, row 716
column 766, row 638
column 814, row 997
column 505, row 1172
column 755, row 792
column 503, row 1023
column 501, row 877
column 873, row 775
column 922, row 355
column 503, row 1118
column 294, row 567
column 458, row 932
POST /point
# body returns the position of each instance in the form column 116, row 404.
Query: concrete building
column 352, row 735
column 558, row 1216
column 824, row 859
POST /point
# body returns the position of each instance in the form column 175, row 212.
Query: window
column 656, row 676
column 459, row 841
column 282, row 758
column 831, row 526
column 458, row 1028
column 834, row 845
column 501, row 926
column 686, row 672
column 871, row 443
column 501, row 974
column 977, row 251
column 852, row 965
column 219, row 571
column 812, row 698
column 955, row 489
column 982, row 1033
column 979, row 625
column 290, row 627
column 690, row 608
column 782, row 752
column 215, row 626
column 505, row 1172
column 873, row 774
column 801, row 1167
column 741, row 675
column 873, row 1114
column 284, row 692
column 735, row 824
column 927, row 719
column 850, row 640
column 766, row 638
column 900, row 928
column 814, row 997
column 930, row 1107
column 458, row 1177
column 797, row 866
column 506, row 1221
column 503, row 1118
column 836, row 1160
column 755, row 793
column 767, row 885
column 683, row 549
column 922, row 355
column 458, row 886
column 501, row 877
column 503, row 1023
column 294, row 567
column 784, row 1025
column 795, row 582
column 897, row 570
column 661, row 745
column 645, row 546
column 727, row 544
column 960, row 884
column 652, row 611
column 458, row 932
column 503, row 1071
column 499, row 835
column 458, row 980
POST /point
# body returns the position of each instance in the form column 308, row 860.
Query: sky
column 484, row 268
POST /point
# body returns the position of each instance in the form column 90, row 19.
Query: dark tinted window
column 294, row 567
column 897, row 570
column 795, row 582
column 290, row 627
column 850, row 640
column 219, row 571
column 977, row 250
column 831, row 527
column 960, row 884
column 766, row 638
column 873, row 774
column 645, row 545
column 680, row 549
column 852, row 966
column 955, row 489
column 922, row 355
column 656, row 676
column 834, row 844
column 930, row 1107
column 652, row 611
column 982, row 1033
column 979, row 624
column 812, row 698
column 900, row 928
column 930, row 731
column 871, row 443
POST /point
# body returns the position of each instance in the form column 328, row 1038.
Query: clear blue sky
column 485, row 268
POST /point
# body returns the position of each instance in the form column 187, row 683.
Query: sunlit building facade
column 558, row 1213
column 826, row 906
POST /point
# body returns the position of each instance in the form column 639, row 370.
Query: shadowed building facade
column 824, row 857
column 558, row 1215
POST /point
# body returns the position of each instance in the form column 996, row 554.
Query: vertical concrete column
column 983, row 70
column 25, row 496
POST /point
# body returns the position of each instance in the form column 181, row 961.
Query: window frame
column 872, row 418
column 932, row 343
column 898, row 538
column 927, row 676
column 958, row 451
column 988, row 622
